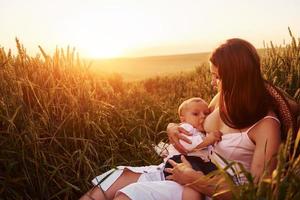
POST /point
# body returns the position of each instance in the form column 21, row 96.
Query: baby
column 192, row 113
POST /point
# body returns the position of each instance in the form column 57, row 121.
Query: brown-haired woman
column 243, row 110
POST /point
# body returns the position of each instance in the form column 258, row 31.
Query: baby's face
column 194, row 114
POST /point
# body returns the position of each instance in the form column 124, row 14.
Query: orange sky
column 113, row 28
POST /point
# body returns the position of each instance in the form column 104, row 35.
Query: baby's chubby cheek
column 201, row 125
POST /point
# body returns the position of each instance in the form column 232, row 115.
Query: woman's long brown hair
column 244, row 99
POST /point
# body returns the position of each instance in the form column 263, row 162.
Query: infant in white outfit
column 192, row 113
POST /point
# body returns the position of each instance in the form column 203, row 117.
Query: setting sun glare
column 137, row 28
column 114, row 32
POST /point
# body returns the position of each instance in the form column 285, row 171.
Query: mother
column 243, row 110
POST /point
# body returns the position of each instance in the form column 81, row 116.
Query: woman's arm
column 173, row 131
column 266, row 136
column 184, row 174
column 216, row 186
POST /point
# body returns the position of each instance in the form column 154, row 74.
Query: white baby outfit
column 168, row 150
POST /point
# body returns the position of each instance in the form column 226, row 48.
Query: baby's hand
column 213, row 137
column 210, row 139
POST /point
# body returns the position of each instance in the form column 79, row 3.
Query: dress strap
column 271, row 117
column 266, row 117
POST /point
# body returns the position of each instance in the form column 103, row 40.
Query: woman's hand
column 182, row 173
column 176, row 133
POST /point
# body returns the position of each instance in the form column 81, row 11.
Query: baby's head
column 193, row 111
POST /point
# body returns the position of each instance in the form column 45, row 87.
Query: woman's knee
column 126, row 178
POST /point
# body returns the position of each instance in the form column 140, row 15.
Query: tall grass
column 283, row 183
column 281, row 66
column 61, row 125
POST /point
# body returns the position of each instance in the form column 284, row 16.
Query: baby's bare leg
column 191, row 194
column 125, row 179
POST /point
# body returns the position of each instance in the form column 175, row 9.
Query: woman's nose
column 213, row 82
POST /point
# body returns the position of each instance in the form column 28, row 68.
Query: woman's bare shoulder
column 266, row 127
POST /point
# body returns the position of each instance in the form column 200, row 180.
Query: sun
column 94, row 38
column 101, row 49
column 93, row 43
column 110, row 34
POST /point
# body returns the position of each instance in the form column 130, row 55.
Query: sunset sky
column 133, row 28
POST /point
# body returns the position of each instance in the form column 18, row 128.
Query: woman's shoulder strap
column 266, row 117
column 271, row 117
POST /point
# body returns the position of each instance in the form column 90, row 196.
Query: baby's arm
column 209, row 139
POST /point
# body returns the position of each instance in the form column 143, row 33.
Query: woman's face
column 215, row 78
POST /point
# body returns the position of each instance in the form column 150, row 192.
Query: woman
column 243, row 111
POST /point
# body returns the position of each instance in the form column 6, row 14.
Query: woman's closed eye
column 215, row 76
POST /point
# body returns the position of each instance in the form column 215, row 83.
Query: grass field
column 61, row 123
column 134, row 69
column 146, row 67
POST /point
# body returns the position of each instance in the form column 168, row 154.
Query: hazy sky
column 103, row 28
